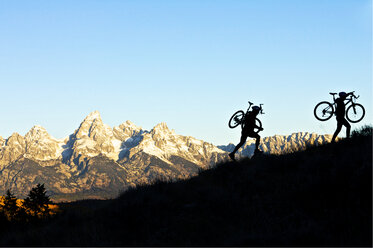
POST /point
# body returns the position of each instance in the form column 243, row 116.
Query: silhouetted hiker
column 248, row 131
column 340, row 113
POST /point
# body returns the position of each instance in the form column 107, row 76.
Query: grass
column 318, row 197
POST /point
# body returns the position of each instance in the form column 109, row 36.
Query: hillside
column 318, row 197
column 98, row 162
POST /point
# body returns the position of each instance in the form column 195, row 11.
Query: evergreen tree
column 36, row 203
column 10, row 207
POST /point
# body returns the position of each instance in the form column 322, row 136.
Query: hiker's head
column 255, row 109
column 342, row 94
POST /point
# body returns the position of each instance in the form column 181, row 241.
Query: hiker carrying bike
column 248, row 131
column 340, row 113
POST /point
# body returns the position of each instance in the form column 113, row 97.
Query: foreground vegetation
column 36, row 205
column 318, row 197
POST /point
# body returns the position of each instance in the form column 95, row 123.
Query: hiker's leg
column 242, row 141
column 348, row 128
column 257, row 141
column 339, row 127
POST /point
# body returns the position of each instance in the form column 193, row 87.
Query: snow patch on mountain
column 93, row 138
column 98, row 158
column 279, row 144
column 42, row 146
column 164, row 143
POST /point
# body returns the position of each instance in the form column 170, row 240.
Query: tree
column 36, row 203
column 10, row 207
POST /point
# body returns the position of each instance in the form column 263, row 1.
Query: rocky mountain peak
column 93, row 116
column 129, row 123
column 161, row 128
column 36, row 133
column 129, row 126
column 92, row 138
column 126, row 130
column 13, row 149
column 15, row 138
column 40, row 145
column 97, row 158
column 92, row 126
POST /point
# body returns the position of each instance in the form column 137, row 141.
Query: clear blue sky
column 191, row 64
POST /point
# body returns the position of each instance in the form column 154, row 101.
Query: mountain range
column 280, row 144
column 98, row 161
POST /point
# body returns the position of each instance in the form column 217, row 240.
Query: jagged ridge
column 97, row 161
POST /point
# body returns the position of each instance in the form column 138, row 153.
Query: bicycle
column 354, row 113
column 238, row 118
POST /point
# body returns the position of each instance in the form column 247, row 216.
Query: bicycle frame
column 350, row 100
column 238, row 118
column 326, row 109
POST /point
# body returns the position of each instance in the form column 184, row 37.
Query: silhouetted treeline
column 34, row 206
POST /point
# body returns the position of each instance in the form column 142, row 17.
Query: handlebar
column 261, row 108
column 260, row 105
column 350, row 93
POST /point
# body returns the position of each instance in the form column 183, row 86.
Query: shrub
column 365, row 130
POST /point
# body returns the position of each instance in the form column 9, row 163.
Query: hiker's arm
column 260, row 128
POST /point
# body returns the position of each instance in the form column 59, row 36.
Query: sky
column 190, row 63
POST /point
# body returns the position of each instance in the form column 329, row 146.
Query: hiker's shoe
column 231, row 155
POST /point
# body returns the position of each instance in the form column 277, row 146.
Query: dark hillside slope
column 318, row 197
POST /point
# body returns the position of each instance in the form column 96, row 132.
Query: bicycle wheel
column 236, row 119
column 355, row 113
column 323, row 111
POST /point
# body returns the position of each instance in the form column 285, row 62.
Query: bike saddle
column 332, row 93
